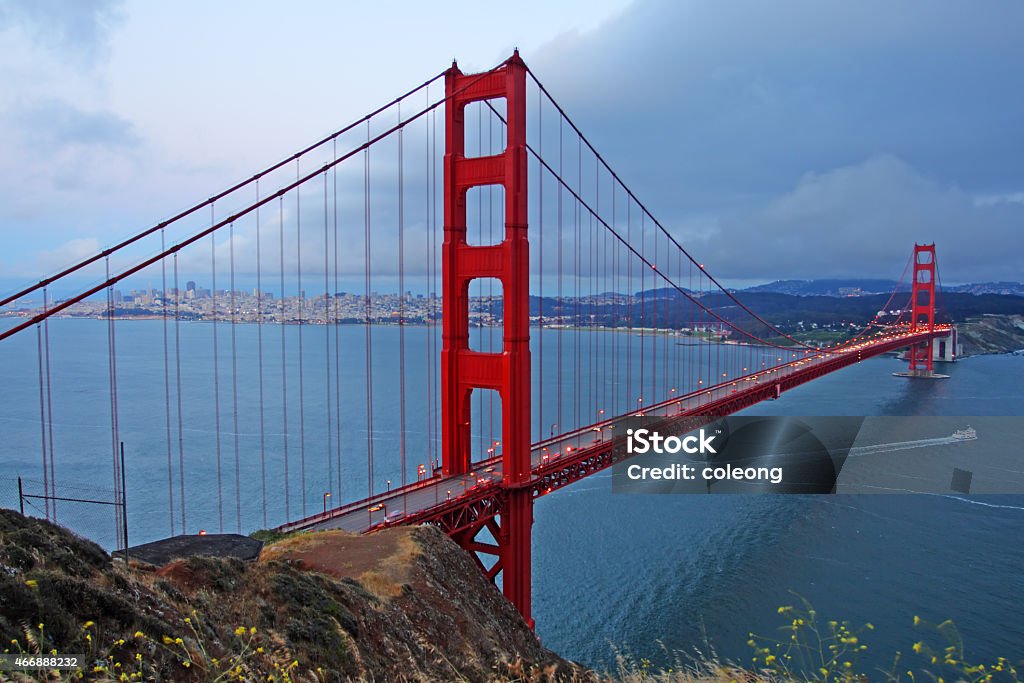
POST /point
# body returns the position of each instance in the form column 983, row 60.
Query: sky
column 795, row 139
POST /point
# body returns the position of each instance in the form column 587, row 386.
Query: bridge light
column 327, row 494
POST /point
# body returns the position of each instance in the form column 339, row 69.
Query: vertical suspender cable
column 429, row 303
column 615, row 308
column 561, row 310
column 167, row 383
column 301, row 303
column 434, row 355
column 49, row 410
column 284, row 365
column 216, row 372
column 328, row 326
column 259, row 362
column 177, row 375
column 540, row 269
column 401, row 299
column 369, row 316
column 42, row 421
column 337, row 343
column 577, row 247
column 643, row 306
column 592, row 317
column 114, row 427
column 234, row 382
column 630, row 403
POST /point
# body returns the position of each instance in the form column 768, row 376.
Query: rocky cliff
column 992, row 334
column 404, row 604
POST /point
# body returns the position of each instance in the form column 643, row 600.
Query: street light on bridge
column 326, row 496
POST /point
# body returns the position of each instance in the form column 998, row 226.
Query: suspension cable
column 255, row 178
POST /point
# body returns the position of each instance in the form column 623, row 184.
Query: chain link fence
column 92, row 512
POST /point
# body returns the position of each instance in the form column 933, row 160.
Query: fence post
column 124, row 506
column 21, row 498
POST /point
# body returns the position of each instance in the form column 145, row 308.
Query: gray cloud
column 869, row 124
column 861, row 220
column 75, row 29
column 54, row 124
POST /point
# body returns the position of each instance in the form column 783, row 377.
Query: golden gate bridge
column 537, row 233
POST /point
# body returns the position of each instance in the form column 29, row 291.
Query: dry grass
column 381, row 562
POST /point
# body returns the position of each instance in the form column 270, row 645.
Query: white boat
column 965, row 434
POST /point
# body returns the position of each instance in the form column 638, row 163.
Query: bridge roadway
column 458, row 502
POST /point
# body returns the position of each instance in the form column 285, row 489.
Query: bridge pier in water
column 922, row 307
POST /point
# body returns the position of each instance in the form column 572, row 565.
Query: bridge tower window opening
column 485, row 215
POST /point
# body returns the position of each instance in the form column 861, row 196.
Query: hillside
column 405, row 604
column 992, row 334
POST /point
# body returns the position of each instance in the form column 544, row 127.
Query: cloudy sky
column 776, row 140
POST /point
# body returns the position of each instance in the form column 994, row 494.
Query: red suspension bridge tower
column 922, row 307
column 507, row 372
